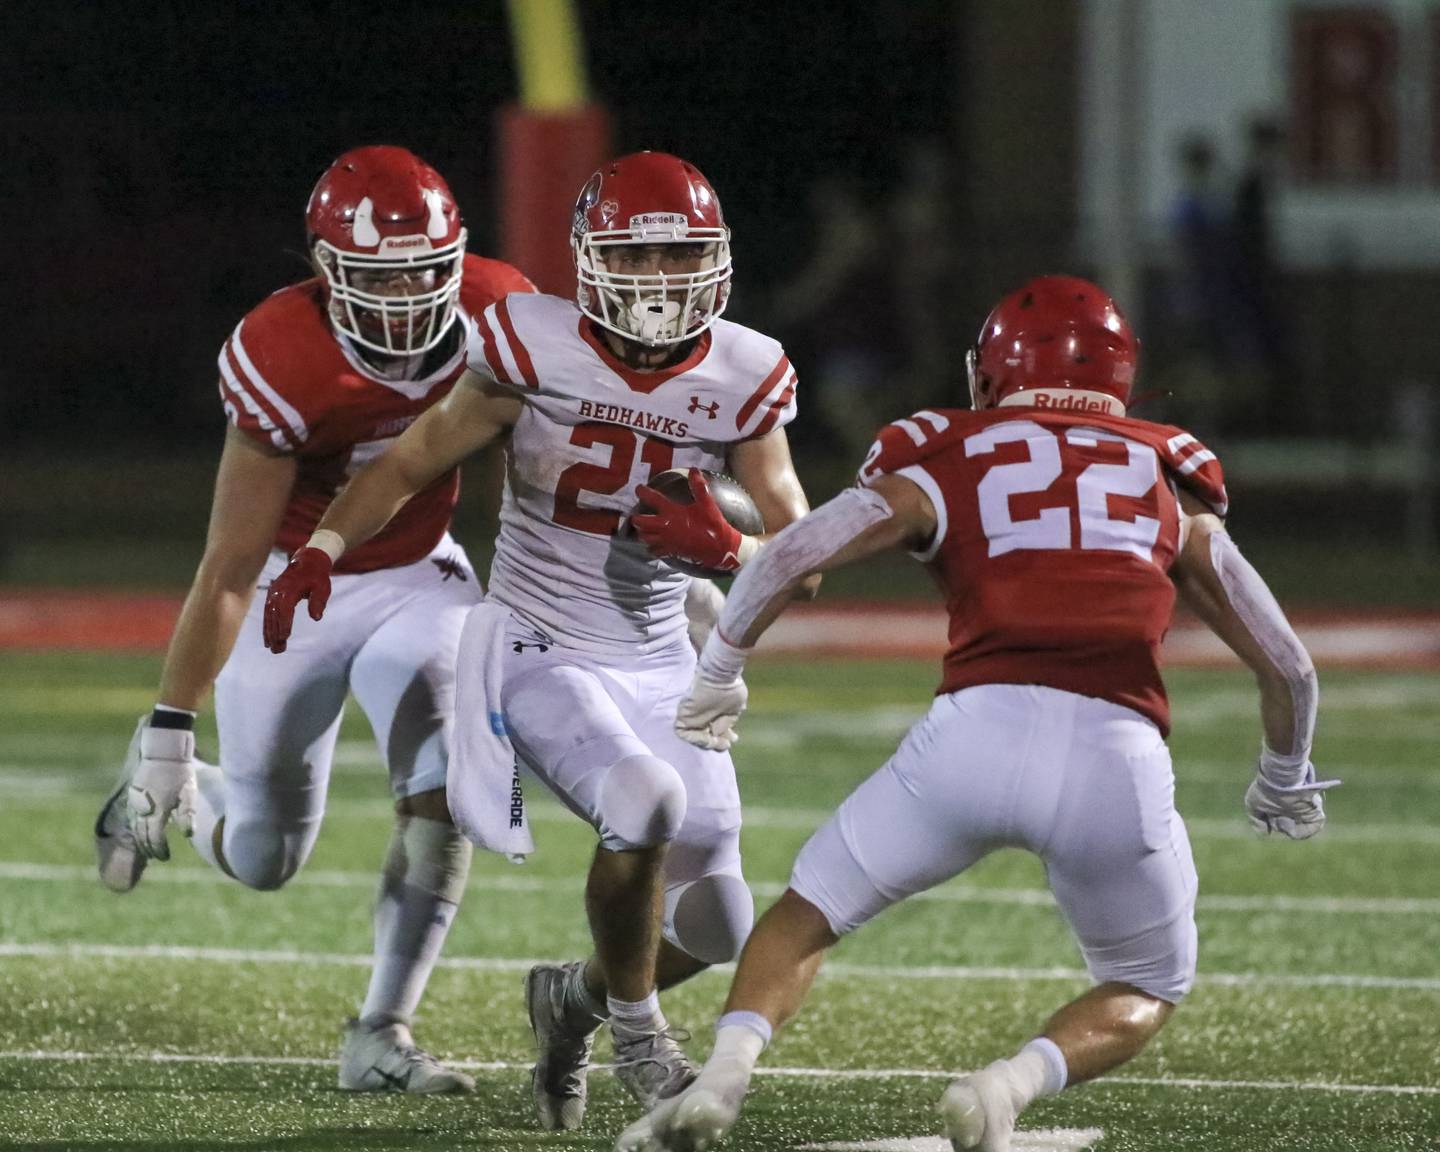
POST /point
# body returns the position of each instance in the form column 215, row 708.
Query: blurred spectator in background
column 1258, row 297
column 837, row 313
column 1204, row 311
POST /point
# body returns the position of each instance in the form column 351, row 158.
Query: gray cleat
column 562, row 1062
column 651, row 1065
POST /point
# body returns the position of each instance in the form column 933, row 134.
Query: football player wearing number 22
column 1059, row 530
column 317, row 380
column 593, row 653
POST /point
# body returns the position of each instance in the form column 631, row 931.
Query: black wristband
column 173, row 718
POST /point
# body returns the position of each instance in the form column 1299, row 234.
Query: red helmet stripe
column 517, row 349
column 748, row 408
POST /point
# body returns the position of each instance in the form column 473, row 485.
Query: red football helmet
column 637, row 201
column 385, row 232
column 1058, row 342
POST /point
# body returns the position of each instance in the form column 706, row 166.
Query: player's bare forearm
column 252, row 489
column 467, row 420
column 203, row 639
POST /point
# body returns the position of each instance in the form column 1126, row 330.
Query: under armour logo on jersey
column 520, row 646
column 449, row 567
column 711, row 410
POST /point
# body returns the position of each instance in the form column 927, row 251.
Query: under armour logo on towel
column 520, row 646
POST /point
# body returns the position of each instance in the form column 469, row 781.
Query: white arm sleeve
column 798, row 550
column 1261, row 614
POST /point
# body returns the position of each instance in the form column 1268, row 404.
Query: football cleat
column 651, row 1065
column 558, row 1079
column 117, row 854
column 979, row 1110
column 384, row 1058
column 693, row 1121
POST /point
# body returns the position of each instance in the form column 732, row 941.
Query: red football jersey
column 289, row 382
column 1056, row 535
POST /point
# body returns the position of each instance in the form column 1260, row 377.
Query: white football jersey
column 590, row 432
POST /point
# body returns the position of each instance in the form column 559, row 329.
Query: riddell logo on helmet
column 661, row 219
column 403, row 243
column 1071, row 401
column 1059, row 399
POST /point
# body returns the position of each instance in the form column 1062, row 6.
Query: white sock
column 420, row 889
column 209, row 809
column 740, row 1037
column 636, row 1016
column 1038, row 1069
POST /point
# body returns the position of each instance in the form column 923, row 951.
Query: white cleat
column 694, row 1121
column 117, row 855
column 979, row 1110
column 383, row 1058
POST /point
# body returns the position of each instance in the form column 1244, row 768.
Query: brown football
column 735, row 505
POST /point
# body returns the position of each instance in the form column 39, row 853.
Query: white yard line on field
column 784, row 1073
column 84, row 951
column 20, row 870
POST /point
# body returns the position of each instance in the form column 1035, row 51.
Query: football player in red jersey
column 582, row 637
column 315, row 381
column 1059, row 530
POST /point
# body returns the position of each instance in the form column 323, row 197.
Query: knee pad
column 262, row 857
column 641, row 804
column 710, row 918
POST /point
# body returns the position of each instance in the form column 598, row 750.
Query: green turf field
column 194, row 1014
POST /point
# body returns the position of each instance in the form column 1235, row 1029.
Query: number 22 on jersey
column 605, row 479
column 1136, row 479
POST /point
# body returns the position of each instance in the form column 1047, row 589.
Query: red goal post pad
column 545, row 159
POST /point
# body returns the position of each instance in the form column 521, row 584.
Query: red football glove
column 306, row 578
column 697, row 533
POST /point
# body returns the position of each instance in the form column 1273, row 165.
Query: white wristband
column 331, row 543
column 749, row 545
column 720, row 661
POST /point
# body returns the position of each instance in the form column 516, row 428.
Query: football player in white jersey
column 642, row 378
column 317, row 379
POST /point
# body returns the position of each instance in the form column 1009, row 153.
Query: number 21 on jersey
column 605, row 479
column 1136, row 479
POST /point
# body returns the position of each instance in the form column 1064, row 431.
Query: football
column 735, row 505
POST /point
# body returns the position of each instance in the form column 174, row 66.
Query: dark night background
column 161, row 156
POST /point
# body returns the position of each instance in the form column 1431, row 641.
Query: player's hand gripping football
column 1295, row 810
column 162, row 788
column 307, row 577
column 707, row 715
column 697, row 533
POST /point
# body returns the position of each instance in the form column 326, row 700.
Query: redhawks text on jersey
column 1056, row 534
column 591, row 431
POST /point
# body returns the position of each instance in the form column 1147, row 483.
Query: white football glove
column 1293, row 810
column 707, row 715
column 162, row 787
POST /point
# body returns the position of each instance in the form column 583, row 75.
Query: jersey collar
column 644, row 382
